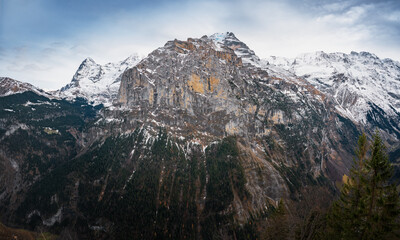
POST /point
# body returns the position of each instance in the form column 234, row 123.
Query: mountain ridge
column 9, row 86
column 361, row 84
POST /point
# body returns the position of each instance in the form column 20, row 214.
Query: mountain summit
column 97, row 83
column 229, row 40
column 202, row 89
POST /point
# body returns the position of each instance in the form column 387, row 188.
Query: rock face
column 98, row 84
column 204, row 87
column 202, row 90
column 363, row 87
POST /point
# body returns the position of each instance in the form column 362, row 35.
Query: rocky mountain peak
column 88, row 61
column 179, row 75
column 87, row 69
column 229, row 40
column 131, row 60
column 203, row 87
column 97, row 83
column 201, row 90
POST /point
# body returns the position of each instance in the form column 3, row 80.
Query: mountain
column 199, row 140
column 97, row 83
column 365, row 88
column 10, row 86
column 202, row 92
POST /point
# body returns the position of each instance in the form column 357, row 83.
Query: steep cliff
column 202, row 87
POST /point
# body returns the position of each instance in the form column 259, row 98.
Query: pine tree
column 345, row 212
column 382, row 198
column 368, row 205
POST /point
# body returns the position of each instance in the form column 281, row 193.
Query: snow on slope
column 97, row 83
column 248, row 56
column 356, row 81
column 10, row 86
column 229, row 40
column 364, row 88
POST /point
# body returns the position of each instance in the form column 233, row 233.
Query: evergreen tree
column 382, row 198
column 368, row 205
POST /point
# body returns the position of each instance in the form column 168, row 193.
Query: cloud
column 351, row 16
column 336, row 6
column 46, row 67
column 2, row 52
column 31, row 67
column 393, row 17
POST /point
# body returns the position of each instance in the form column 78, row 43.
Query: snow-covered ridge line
column 97, row 83
column 354, row 80
column 229, row 40
column 9, row 86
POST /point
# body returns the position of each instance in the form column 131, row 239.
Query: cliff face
column 202, row 87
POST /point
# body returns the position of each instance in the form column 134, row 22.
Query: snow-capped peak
column 88, row 61
column 218, row 38
column 229, row 40
column 131, row 60
column 97, row 83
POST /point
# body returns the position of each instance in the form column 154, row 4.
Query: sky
column 43, row 42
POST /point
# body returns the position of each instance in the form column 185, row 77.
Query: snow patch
column 55, row 218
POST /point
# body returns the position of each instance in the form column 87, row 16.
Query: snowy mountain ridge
column 9, row 86
column 97, row 83
column 364, row 88
column 357, row 82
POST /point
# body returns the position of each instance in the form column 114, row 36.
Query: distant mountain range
column 364, row 88
column 199, row 140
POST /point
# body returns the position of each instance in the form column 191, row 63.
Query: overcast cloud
column 43, row 41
